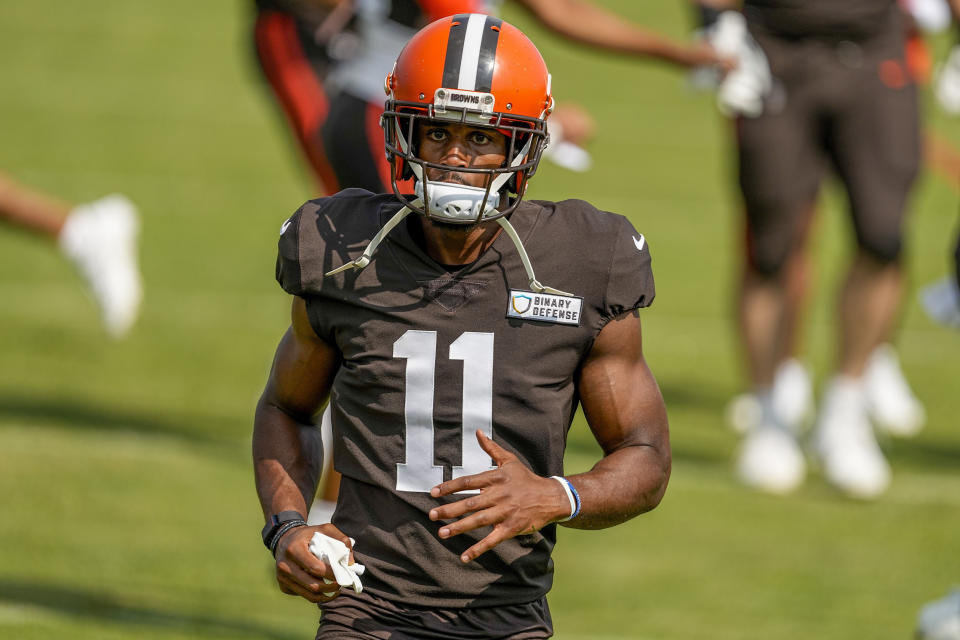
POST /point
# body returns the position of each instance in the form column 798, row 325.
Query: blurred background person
column 326, row 61
column 820, row 84
column 99, row 238
column 297, row 43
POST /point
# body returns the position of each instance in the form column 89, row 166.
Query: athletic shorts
column 850, row 106
column 367, row 617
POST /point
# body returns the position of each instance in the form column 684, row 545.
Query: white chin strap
column 456, row 203
column 367, row 254
column 525, row 259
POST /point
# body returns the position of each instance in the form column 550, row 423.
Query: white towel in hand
column 743, row 90
column 337, row 555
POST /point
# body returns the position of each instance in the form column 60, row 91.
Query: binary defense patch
column 544, row 307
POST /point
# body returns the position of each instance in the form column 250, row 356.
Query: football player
column 455, row 329
column 326, row 60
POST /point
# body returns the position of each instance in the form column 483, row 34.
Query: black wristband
column 274, row 523
column 284, row 528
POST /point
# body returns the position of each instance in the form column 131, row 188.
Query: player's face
column 461, row 145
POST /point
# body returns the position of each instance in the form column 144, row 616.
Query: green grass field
column 127, row 507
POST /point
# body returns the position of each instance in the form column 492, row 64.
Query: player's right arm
column 285, row 464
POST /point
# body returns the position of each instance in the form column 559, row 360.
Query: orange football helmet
column 475, row 69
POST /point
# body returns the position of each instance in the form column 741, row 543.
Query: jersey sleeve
column 300, row 252
column 630, row 283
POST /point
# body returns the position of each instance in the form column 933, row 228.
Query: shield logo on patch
column 521, row 304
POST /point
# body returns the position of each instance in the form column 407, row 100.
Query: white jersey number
column 419, row 348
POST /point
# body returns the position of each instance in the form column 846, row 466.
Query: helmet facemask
column 452, row 202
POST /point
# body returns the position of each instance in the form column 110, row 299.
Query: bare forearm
column 287, row 460
column 592, row 25
column 624, row 484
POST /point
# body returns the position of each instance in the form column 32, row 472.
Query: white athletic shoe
column 845, row 444
column 941, row 301
column 792, row 400
column 792, row 393
column 100, row 238
column 890, row 402
column 743, row 413
column 940, row 619
column 770, row 460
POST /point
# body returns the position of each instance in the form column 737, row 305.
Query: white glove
column 565, row 153
column 337, row 555
column 931, row 16
column 948, row 83
column 743, row 90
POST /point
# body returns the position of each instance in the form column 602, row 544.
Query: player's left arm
column 625, row 411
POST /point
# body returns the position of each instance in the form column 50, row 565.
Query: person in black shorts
column 840, row 98
column 454, row 340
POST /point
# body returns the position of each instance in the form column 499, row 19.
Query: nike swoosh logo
column 283, row 227
column 639, row 242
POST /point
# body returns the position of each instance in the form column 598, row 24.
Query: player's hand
column 299, row 572
column 702, row 54
column 512, row 499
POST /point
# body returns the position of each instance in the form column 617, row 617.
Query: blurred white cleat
column 792, row 393
column 845, row 443
column 792, row 400
column 941, row 301
column 100, row 238
column 770, row 458
column 940, row 619
column 890, row 402
column 743, row 412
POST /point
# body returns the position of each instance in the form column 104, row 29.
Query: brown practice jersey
column 430, row 356
column 833, row 19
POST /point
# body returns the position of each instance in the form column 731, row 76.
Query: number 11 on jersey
column 419, row 348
